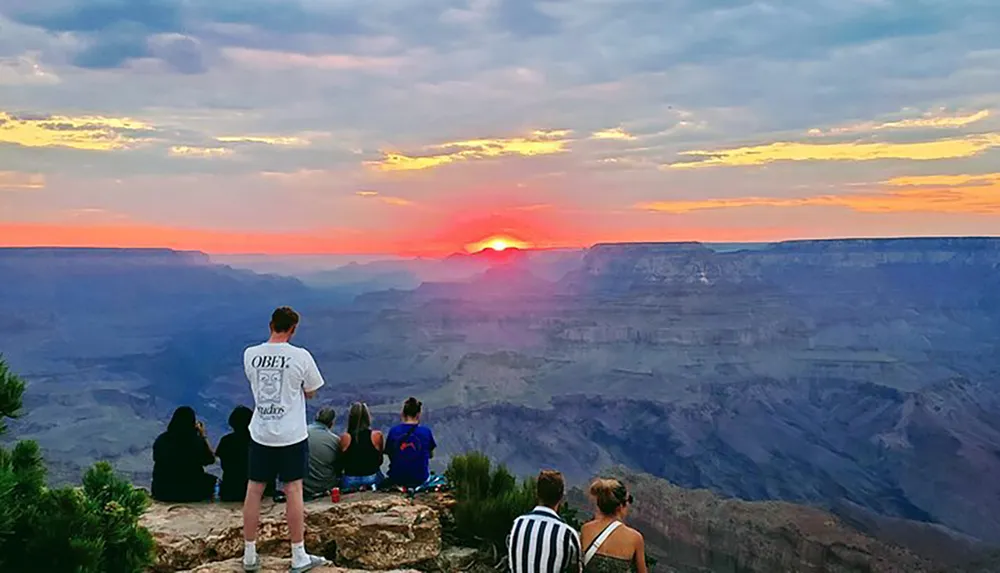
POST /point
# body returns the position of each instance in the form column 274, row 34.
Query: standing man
column 324, row 451
column 281, row 377
column 540, row 541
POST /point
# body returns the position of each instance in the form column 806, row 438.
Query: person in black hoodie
column 234, row 454
column 179, row 457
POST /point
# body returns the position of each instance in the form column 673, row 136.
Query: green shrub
column 93, row 529
column 489, row 499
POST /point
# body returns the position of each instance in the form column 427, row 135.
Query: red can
column 335, row 494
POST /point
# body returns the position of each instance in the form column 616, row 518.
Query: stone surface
column 274, row 565
column 695, row 530
column 455, row 559
column 367, row 531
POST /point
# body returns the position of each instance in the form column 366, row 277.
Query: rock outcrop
column 697, row 531
column 366, row 531
column 276, row 565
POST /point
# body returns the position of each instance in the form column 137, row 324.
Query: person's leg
column 262, row 466
column 295, row 511
column 294, row 466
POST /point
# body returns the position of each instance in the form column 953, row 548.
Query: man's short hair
column 551, row 487
column 283, row 319
column 326, row 416
column 412, row 407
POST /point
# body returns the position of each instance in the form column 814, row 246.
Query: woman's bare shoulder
column 633, row 533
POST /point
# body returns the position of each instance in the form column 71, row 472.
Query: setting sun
column 496, row 243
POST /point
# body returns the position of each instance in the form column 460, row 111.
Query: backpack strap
column 595, row 545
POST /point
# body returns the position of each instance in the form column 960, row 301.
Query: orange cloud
column 154, row 236
column 951, row 148
column 613, row 133
column 17, row 181
column 927, row 121
column 541, row 142
column 88, row 132
column 388, row 200
column 951, row 194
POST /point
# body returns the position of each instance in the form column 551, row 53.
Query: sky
column 405, row 127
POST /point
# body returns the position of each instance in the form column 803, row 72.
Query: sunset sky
column 390, row 126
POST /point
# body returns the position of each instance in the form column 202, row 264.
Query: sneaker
column 253, row 567
column 314, row 562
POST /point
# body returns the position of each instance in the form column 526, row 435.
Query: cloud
column 279, row 59
column 96, row 133
column 541, row 142
column 24, row 71
column 388, row 200
column 199, row 152
column 524, row 19
column 613, row 133
column 265, row 140
column 17, row 181
column 941, row 194
column 112, row 33
column 927, row 121
column 950, row 148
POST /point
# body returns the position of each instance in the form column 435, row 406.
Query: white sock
column 299, row 556
column 249, row 552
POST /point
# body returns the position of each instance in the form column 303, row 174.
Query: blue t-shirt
column 409, row 448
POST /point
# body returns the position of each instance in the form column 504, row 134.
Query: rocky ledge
column 371, row 532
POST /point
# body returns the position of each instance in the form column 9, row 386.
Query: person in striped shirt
column 540, row 541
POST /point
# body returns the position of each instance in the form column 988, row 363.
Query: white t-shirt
column 279, row 374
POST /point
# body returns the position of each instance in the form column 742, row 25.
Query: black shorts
column 287, row 463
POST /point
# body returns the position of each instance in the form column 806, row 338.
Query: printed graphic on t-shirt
column 270, row 384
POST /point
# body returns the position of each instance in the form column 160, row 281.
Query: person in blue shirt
column 410, row 447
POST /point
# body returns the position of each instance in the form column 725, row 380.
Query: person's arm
column 574, row 563
column 221, row 449
column 640, row 554
column 313, row 379
column 389, row 447
column 378, row 440
column 345, row 441
column 207, row 455
column 432, row 445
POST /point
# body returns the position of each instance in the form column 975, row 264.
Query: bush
column 93, row 529
column 489, row 499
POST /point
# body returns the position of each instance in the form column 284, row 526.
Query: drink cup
column 335, row 495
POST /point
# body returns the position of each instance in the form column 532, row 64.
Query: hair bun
column 607, row 493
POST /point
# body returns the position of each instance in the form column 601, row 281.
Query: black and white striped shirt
column 541, row 542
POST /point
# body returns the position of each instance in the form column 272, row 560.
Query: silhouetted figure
column 234, row 456
column 179, row 457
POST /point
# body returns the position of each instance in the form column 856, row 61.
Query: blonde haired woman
column 362, row 449
column 610, row 546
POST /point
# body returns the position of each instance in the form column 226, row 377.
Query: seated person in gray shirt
column 324, row 450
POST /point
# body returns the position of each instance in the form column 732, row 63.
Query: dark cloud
column 112, row 52
column 182, row 54
column 148, row 16
column 524, row 18
column 117, row 31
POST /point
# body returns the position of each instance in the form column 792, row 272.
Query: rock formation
column 365, row 531
column 691, row 531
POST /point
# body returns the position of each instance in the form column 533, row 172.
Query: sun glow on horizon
column 497, row 243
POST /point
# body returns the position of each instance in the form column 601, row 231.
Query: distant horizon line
column 466, row 253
